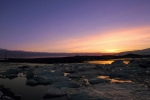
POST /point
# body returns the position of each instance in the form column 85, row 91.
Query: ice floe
column 116, row 81
column 54, row 92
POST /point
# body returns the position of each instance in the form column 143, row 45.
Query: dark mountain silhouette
column 24, row 54
column 137, row 52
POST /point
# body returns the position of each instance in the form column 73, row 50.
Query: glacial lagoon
column 85, row 81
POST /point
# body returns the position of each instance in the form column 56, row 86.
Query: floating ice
column 54, row 92
column 119, row 75
column 69, row 70
column 75, row 76
column 30, row 74
column 83, row 97
column 69, row 84
column 6, row 98
column 43, row 80
column 12, row 71
column 31, row 82
column 65, row 74
column 86, row 84
column 139, row 63
column 98, row 80
column 11, row 76
column 1, row 94
column 118, row 62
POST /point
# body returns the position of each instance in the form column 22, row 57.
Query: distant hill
column 25, row 54
column 137, row 52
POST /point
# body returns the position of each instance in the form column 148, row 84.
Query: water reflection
column 114, row 80
column 18, row 84
column 105, row 61
column 120, row 81
column 104, row 77
column 19, row 87
column 65, row 74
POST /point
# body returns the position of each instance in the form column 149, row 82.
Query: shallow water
column 19, row 87
column 125, row 60
column 105, row 61
column 114, row 80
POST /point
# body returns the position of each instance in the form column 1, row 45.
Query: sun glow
column 112, row 41
column 112, row 50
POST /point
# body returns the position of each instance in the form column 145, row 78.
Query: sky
column 75, row 25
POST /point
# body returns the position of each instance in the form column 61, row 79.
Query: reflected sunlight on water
column 114, row 80
column 120, row 81
column 65, row 74
column 105, row 61
column 104, row 77
column 18, row 84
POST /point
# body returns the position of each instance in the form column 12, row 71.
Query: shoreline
column 73, row 59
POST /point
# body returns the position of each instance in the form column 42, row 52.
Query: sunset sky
column 75, row 25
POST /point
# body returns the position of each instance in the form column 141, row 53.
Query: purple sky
column 74, row 25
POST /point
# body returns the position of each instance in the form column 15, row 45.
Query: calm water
column 106, row 61
column 125, row 60
column 19, row 87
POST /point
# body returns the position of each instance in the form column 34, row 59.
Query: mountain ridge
column 138, row 52
column 27, row 54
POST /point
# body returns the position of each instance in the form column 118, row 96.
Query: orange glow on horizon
column 113, row 41
column 112, row 51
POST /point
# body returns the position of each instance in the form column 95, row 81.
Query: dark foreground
column 74, row 81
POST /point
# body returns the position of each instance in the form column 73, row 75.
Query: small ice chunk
column 11, row 76
column 12, row 71
column 118, row 62
column 54, row 92
column 43, row 80
column 82, row 97
column 98, row 80
column 74, row 76
column 31, row 81
column 69, row 84
column 1, row 94
column 30, row 74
